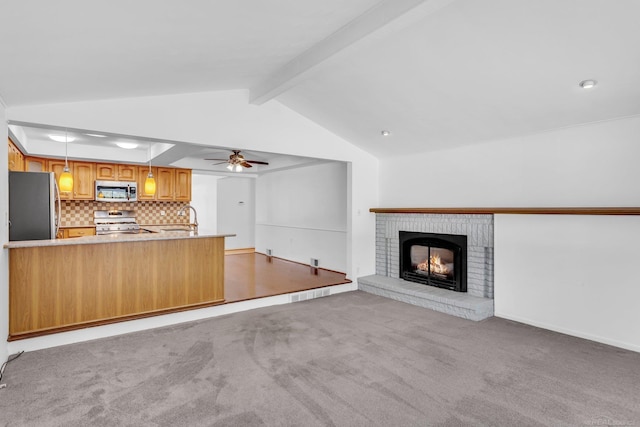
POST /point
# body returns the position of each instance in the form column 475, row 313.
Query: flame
column 435, row 265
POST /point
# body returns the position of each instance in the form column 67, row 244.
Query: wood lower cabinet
column 110, row 282
column 69, row 233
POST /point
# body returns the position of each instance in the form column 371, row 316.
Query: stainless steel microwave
column 116, row 191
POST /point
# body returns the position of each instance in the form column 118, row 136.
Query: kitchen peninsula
column 66, row 284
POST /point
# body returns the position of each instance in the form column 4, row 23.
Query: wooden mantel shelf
column 523, row 211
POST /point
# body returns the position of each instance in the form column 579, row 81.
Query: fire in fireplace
column 434, row 259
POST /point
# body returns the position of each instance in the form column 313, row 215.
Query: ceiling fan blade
column 245, row 165
column 219, row 163
column 257, row 162
column 219, row 160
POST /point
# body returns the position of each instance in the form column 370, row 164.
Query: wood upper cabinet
column 143, row 171
column 15, row 157
column 84, row 180
column 172, row 184
column 165, row 183
column 116, row 172
column 127, row 172
column 106, row 171
column 11, row 155
column 57, row 166
column 35, row 164
column 183, row 185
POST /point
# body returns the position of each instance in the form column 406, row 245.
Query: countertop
column 158, row 233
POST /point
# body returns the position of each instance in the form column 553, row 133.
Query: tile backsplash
column 79, row 213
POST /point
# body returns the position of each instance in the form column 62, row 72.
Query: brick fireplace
column 476, row 303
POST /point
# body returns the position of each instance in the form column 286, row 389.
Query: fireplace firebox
column 434, row 259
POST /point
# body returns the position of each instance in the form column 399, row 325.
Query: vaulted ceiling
column 435, row 73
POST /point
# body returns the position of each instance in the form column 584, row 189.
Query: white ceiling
column 436, row 73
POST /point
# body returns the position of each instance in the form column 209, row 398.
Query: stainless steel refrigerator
column 33, row 210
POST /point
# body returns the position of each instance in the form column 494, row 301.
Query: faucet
column 183, row 210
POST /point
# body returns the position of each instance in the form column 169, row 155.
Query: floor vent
column 316, row 293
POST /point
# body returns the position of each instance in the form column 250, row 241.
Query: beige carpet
column 351, row 359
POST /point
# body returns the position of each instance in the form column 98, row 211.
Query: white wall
column 302, row 213
column 237, row 211
column 572, row 274
column 204, row 198
column 4, row 237
column 591, row 165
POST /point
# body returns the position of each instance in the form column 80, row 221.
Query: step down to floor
column 455, row 303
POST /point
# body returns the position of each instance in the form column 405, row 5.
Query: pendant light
column 150, row 182
column 66, row 179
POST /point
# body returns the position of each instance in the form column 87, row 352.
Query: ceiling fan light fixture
column 236, row 162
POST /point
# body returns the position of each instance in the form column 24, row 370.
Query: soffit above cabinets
column 34, row 140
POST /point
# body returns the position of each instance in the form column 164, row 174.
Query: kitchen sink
column 176, row 229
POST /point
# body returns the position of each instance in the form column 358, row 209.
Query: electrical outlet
column 163, row 213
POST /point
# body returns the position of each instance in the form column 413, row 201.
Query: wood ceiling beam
column 373, row 20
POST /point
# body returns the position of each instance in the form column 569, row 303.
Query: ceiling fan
column 236, row 161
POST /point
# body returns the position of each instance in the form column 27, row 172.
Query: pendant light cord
column 66, row 149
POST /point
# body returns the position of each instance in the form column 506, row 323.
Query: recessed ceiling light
column 588, row 84
column 97, row 135
column 127, row 145
column 62, row 138
column 385, row 133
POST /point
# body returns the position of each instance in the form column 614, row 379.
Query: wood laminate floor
column 253, row 275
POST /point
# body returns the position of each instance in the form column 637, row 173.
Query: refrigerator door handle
column 59, row 216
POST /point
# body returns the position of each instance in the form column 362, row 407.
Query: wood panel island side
column 62, row 285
